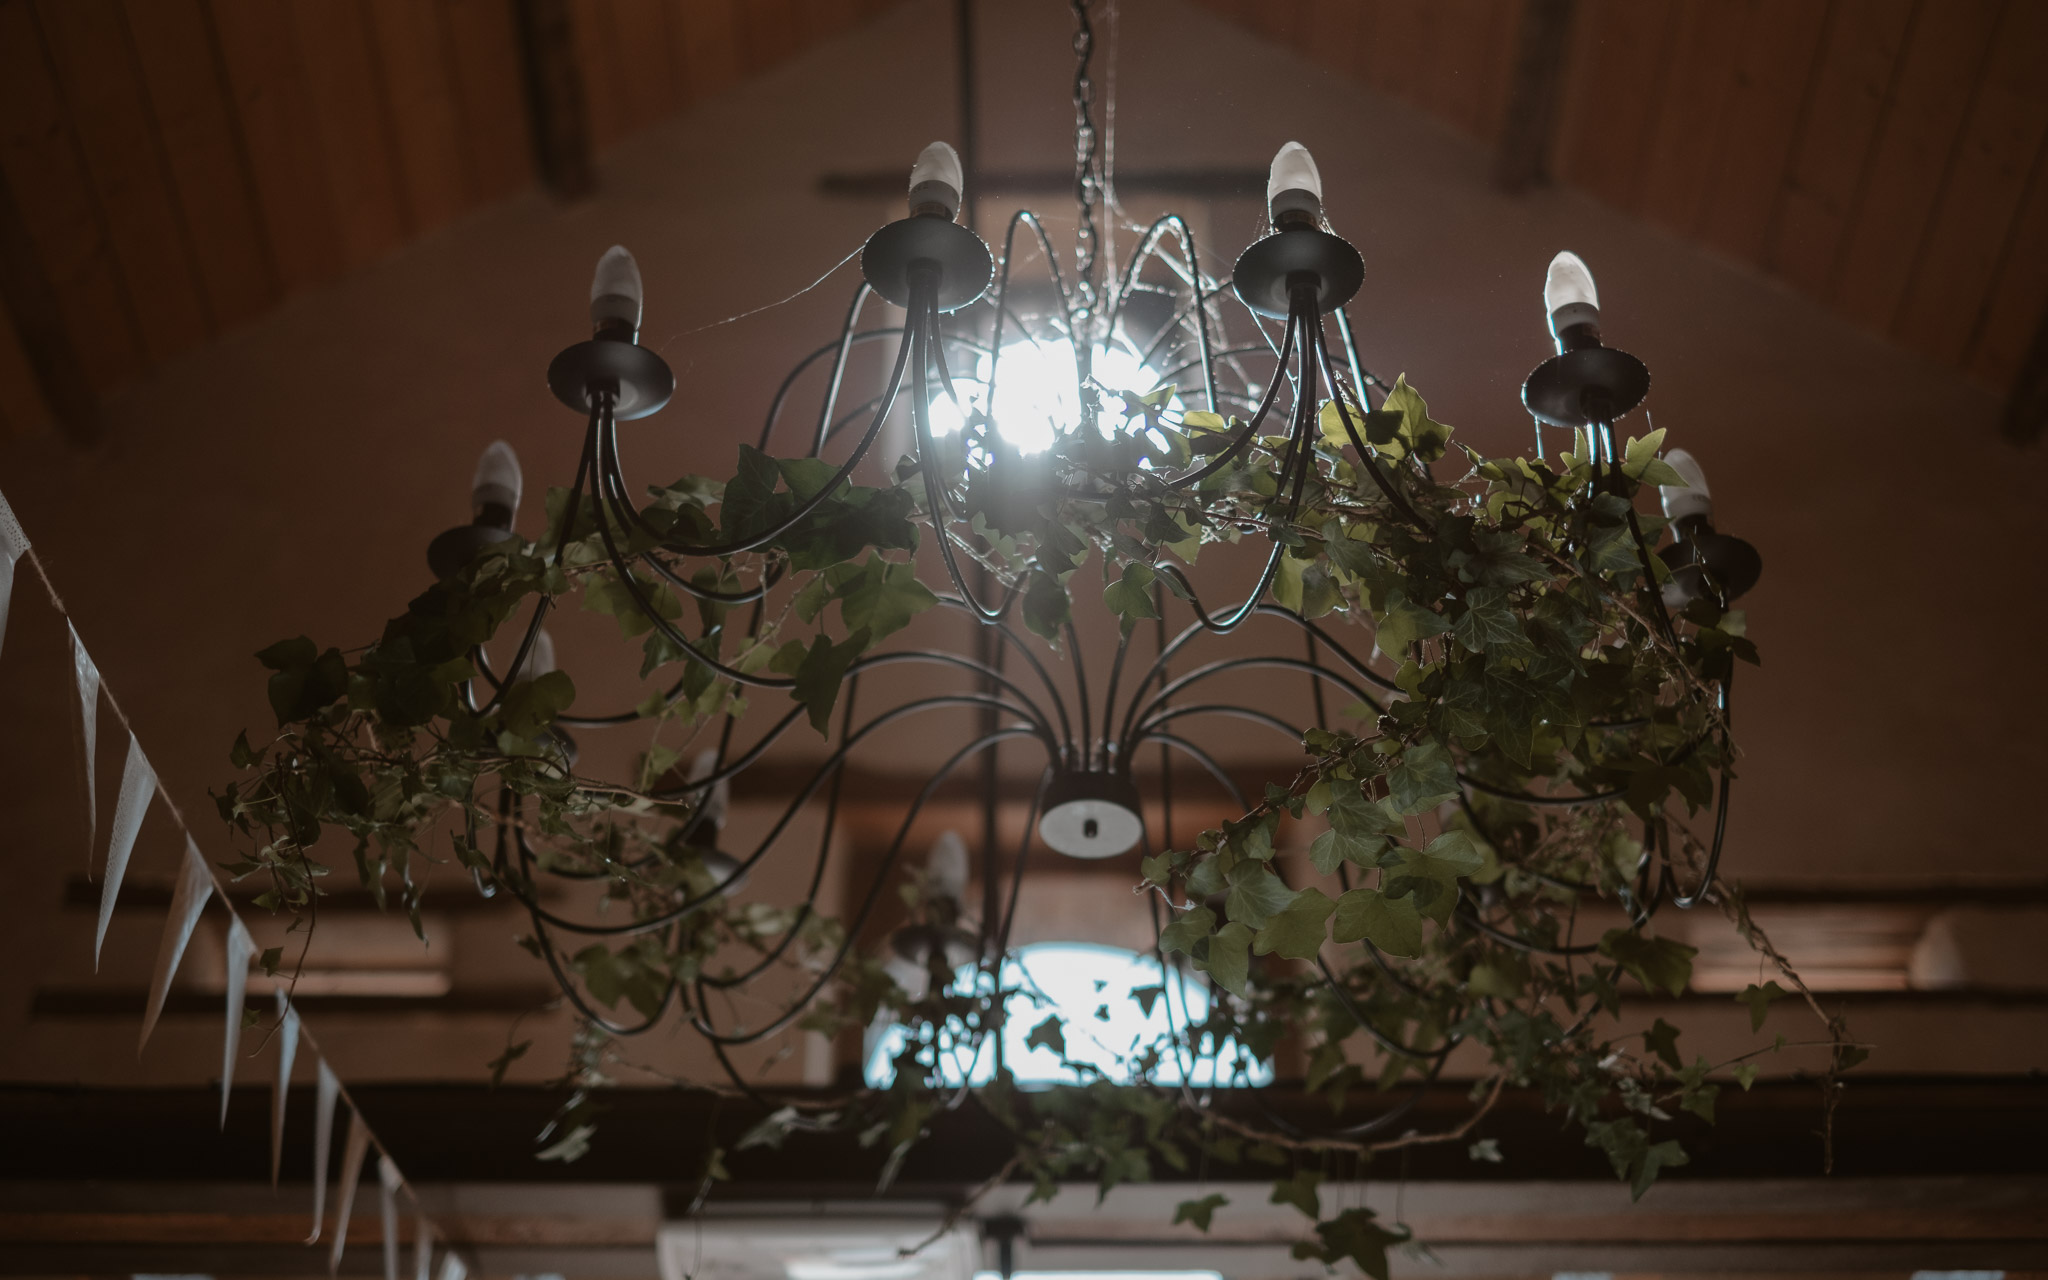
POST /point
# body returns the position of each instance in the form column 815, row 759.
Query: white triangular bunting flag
column 195, row 886
column 13, row 543
column 387, row 1210
column 89, row 721
column 422, row 1246
column 453, row 1268
column 325, row 1094
column 351, row 1173
column 287, row 1049
column 138, row 784
column 240, row 947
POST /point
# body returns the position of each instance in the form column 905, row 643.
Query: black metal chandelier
column 1019, row 395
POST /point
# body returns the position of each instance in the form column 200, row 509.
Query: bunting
column 287, row 1050
column 351, row 1173
column 13, row 542
column 196, row 885
column 138, row 784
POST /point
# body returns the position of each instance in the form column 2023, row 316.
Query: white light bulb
column 720, row 799
column 945, row 870
column 540, row 659
column 497, row 481
column 1569, row 283
column 1694, row 499
column 1294, row 184
column 937, row 178
column 615, row 293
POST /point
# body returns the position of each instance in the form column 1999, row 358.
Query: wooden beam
column 556, row 100
column 2026, row 411
column 1528, row 129
column 31, row 303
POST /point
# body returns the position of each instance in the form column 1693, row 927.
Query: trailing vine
column 1534, row 741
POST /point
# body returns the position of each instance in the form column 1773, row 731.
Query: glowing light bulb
column 1694, row 499
column 936, row 179
column 1294, row 184
column 496, row 484
column 540, row 659
column 1568, row 283
column 615, row 292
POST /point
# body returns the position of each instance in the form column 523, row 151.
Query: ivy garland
column 1518, row 602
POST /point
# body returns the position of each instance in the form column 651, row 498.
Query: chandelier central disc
column 1091, row 815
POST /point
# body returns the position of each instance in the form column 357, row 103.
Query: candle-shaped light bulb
column 615, row 294
column 494, row 492
column 1294, row 186
column 1691, row 499
column 936, row 181
column 1571, row 299
column 540, row 659
column 945, row 873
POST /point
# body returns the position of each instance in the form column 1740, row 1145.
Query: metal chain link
column 1087, row 172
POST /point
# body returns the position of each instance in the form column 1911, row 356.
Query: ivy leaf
column 1745, row 1075
column 1354, row 815
column 887, row 596
column 1198, row 1212
column 751, row 505
column 512, row 1054
column 1759, row 998
column 819, row 673
column 1403, row 622
column 1658, row 963
column 1182, row 935
column 1391, row 924
column 1489, row 625
column 1430, row 875
column 1046, row 607
column 271, row 958
column 1333, row 847
column 1420, row 434
column 1130, row 596
column 1201, row 420
column 1300, row 1191
column 1422, row 778
column 1355, row 1234
column 1299, row 931
column 1664, row 1155
column 1229, row 959
column 1256, row 895
column 1662, row 1040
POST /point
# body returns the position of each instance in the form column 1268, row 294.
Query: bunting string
column 197, row 883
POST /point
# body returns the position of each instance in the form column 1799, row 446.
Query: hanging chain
column 1087, row 175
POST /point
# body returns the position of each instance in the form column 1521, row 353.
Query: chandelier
column 1537, row 673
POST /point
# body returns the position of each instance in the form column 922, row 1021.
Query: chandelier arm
column 1367, row 457
column 690, row 906
column 1025, row 705
column 995, row 954
column 1685, row 901
column 1080, row 665
column 1001, row 293
column 1470, row 916
column 1318, row 634
column 1139, row 715
column 1385, row 1041
column 613, row 485
column 1116, row 671
column 1147, row 246
column 700, row 1021
column 1016, row 643
column 939, row 504
column 810, row 898
column 1231, row 709
column 1207, row 761
column 805, row 507
column 1362, row 377
column 1536, row 801
column 846, row 338
column 1250, row 428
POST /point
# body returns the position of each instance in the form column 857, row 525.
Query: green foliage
column 1508, row 603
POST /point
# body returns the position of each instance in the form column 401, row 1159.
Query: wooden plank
column 1525, row 121
column 551, row 72
column 1456, row 88
column 345, row 86
column 108, row 110
column 194, row 114
column 1852, row 81
column 60, row 222
column 483, row 55
column 1973, row 223
column 1395, row 57
column 2018, row 304
column 706, row 34
column 420, row 98
column 275, row 118
column 1621, row 52
column 24, row 413
column 1944, row 54
column 1692, row 113
column 1760, row 120
column 1502, row 36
